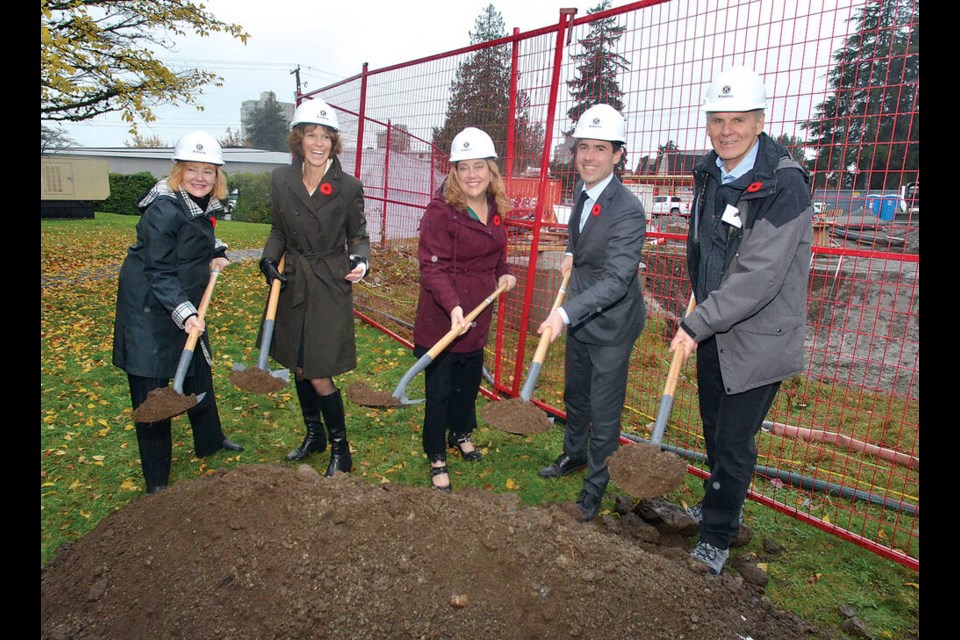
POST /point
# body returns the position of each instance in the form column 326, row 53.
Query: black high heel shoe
column 437, row 471
column 457, row 440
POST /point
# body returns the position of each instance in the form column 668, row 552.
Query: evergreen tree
column 480, row 97
column 268, row 127
column 868, row 132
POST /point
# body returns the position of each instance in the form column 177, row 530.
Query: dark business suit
column 606, row 313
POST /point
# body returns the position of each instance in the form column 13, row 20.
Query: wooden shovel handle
column 541, row 353
column 274, row 298
column 451, row 335
column 202, row 310
column 678, row 356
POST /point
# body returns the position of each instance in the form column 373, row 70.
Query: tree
column 146, row 142
column 54, row 138
column 795, row 147
column 480, row 97
column 268, row 127
column 869, row 128
column 232, row 139
column 598, row 68
column 667, row 148
column 98, row 56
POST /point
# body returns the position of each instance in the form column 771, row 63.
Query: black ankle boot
column 316, row 439
column 332, row 408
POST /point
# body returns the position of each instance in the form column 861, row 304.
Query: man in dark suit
column 604, row 310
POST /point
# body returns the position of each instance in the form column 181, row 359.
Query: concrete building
column 247, row 107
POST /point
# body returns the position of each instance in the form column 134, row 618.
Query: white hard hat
column 736, row 89
column 198, row 146
column 601, row 122
column 315, row 111
column 472, row 144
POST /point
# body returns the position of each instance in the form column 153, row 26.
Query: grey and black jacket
column 751, row 282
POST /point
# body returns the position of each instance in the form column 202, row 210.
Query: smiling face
column 199, row 178
column 317, row 145
column 733, row 134
column 596, row 160
column 474, row 177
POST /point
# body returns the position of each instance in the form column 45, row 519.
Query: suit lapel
column 594, row 213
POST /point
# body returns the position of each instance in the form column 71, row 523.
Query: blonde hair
column 295, row 140
column 175, row 179
column 453, row 193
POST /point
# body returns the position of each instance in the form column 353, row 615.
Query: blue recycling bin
column 888, row 207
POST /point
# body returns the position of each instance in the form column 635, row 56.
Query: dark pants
column 451, row 382
column 594, row 393
column 731, row 423
column 154, row 439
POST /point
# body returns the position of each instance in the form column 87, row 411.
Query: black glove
column 268, row 267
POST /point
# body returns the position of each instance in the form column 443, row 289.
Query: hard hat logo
column 726, row 89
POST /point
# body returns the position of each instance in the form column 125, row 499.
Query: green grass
column 90, row 466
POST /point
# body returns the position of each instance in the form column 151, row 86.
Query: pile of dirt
column 164, row 403
column 274, row 551
column 254, row 380
column 516, row 415
column 363, row 394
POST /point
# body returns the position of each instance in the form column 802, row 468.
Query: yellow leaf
column 75, row 484
column 881, row 534
column 49, row 484
column 826, row 518
column 128, row 427
column 103, row 422
column 762, row 566
column 915, row 585
column 128, row 485
column 511, row 484
column 86, row 514
column 98, row 457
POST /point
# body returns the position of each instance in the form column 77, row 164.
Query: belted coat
column 317, row 233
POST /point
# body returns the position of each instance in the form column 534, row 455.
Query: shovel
column 260, row 379
column 400, row 392
column 643, row 470
column 165, row 402
column 519, row 415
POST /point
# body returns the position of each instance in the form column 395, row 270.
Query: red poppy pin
column 326, row 189
column 213, row 220
column 754, row 186
column 595, row 211
column 496, row 220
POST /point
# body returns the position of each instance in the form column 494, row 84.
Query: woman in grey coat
column 319, row 225
column 161, row 283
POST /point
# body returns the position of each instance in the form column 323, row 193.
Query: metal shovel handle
column 266, row 337
column 541, row 353
column 401, row 391
column 187, row 354
column 666, row 402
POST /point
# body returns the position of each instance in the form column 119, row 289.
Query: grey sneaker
column 696, row 512
column 714, row 558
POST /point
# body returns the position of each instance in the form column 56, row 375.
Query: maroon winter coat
column 460, row 263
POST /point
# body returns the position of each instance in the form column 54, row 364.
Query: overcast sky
column 329, row 41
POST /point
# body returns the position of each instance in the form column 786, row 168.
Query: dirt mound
column 273, row 551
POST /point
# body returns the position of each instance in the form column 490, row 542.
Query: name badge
column 731, row 215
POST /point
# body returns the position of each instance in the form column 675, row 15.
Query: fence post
column 363, row 115
column 386, row 188
column 565, row 22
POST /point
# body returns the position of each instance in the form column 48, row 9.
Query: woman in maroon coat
column 463, row 258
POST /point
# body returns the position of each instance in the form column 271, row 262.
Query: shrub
column 126, row 191
column 254, row 203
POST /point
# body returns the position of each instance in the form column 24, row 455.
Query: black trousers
column 154, row 438
column 452, row 382
column 594, row 393
column 731, row 423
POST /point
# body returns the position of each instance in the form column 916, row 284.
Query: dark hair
column 295, row 140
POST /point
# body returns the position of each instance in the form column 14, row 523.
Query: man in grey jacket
column 604, row 310
column 748, row 257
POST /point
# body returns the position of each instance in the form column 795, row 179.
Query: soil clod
column 644, row 471
column 162, row 404
column 363, row 394
column 256, row 380
column 516, row 415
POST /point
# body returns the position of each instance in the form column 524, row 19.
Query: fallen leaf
column 513, row 486
column 128, row 485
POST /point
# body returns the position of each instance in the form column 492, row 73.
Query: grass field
column 90, row 466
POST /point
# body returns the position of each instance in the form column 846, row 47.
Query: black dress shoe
column 588, row 504
column 457, row 440
column 230, row 445
column 562, row 466
column 156, row 488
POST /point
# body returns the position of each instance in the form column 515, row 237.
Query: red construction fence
column 840, row 449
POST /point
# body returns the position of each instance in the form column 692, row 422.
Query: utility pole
column 296, row 72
